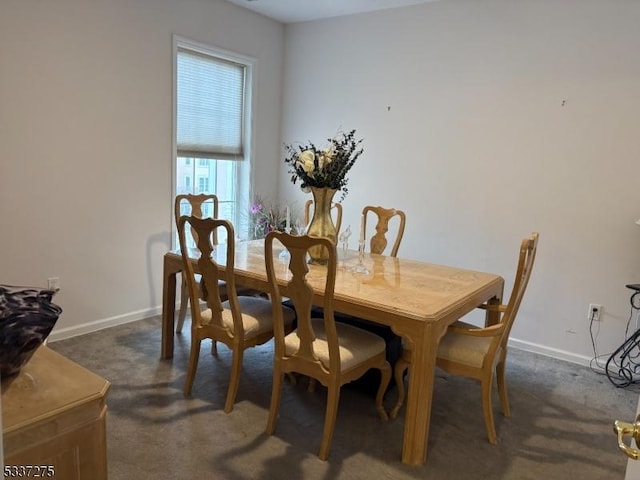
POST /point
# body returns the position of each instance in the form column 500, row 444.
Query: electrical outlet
column 595, row 311
column 53, row 283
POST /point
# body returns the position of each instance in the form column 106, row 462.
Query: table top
column 396, row 287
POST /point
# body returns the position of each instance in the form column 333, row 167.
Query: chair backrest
column 335, row 205
column 300, row 291
column 528, row 248
column 378, row 241
column 209, row 270
column 203, row 205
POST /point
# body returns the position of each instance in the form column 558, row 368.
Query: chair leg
column 333, row 397
column 502, row 387
column 234, row 382
column 276, row 390
column 401, row 365
column 488, row 410
column 312, row 385
column 193, row 364
column 184, row 303
column 385, row 378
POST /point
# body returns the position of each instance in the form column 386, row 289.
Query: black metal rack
column 623, row 366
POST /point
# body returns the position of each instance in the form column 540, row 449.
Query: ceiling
column 291, row 11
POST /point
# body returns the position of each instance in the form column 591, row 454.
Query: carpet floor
column 560, row 428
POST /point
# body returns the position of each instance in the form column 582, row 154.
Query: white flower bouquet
column 325, row 167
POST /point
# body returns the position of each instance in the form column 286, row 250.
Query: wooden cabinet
column 54, row 418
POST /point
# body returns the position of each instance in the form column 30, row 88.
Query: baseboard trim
column 68, row 332
column 550, row 352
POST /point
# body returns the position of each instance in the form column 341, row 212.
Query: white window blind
column 210, row 106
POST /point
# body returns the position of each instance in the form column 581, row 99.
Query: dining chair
column 240, row 322
column 204, row 205
column 338, row 216
column 377, row 245
column 330, row 352
column 378, row 242
column 476, row 352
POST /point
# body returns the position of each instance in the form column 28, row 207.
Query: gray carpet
column 560, row 428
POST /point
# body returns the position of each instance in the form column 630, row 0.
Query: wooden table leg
column 168, row 308
column 492, row 316
column 419, row 401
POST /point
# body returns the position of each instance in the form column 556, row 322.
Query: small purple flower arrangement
column 265, row 219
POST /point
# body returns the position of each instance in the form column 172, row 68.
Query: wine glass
column 298, row 227
column 344, row 240
column 360, row 267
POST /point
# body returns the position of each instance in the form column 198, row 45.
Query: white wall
column 478, row 148
column 85, row 142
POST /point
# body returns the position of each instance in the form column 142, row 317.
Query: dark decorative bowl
column 27, row 317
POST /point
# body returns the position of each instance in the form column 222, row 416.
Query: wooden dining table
column 418, row 300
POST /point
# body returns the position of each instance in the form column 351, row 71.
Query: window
column 203, row 184
column 212, row 95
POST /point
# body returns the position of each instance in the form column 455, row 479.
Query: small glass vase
column 321, row 223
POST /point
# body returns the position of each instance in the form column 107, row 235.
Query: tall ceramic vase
column 321, row 223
